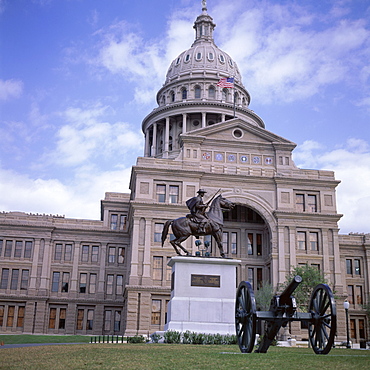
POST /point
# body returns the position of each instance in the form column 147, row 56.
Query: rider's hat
column 201, row 191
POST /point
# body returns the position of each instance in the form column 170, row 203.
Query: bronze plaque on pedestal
column 212, row 281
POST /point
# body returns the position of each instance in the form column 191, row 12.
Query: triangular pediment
column 236, row 132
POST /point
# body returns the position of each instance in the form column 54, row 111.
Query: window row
column 161, row 271
column 199, row 56
column 118, row 221
column 14, row 279
column 85, row 318
column 167, row 193
column 12, row 316
column 16, row 248
column 308, row 241
column 89, row 253
column 353, row 267
column 306, row 202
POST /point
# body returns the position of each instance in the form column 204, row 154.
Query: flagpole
column 234, row 95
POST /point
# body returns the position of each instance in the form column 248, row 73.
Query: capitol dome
column 192, row 97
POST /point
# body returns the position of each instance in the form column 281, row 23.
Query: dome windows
column 187, row 58
column 198, row 56
column 178, row 61
column 221, row 58
column 211, row 92
column 184, row 93
column 231, row 63
column 211, row 56
column 172, row 96
column 197, row 92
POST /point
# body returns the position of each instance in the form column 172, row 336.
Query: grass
column 25, row 338
column 176, row 356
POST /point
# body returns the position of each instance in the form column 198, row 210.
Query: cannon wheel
column 245, row 317
column 323, row 324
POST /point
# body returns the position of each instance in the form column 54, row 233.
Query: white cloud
column 10, row 89
column 86, row 137
column 350, row 162
column 77, row 199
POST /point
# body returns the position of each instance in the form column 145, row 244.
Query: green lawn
column 176, row 356
column 24, row 338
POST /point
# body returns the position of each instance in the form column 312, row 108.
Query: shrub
column 172, row 336
column 155, row 337
column 187, row 337
column 136, row 339
column 198, row 338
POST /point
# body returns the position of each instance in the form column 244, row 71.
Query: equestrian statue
column 199, row 221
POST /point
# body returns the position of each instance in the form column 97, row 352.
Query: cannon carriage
column 321, row 317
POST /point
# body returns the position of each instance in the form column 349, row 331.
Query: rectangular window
column 109, row 289
column 92, row 284
column 8, row 248
column 314, row 241
column 10, row 318
column 349, row 266
column 174, row 194
column 350, row 294
column 359, row 296
column 311, row 203
column 62, row 318
column 353, row 329
column 119, row 285
column 112, row 255
column 259, row 244
column 4, row 279
column 90, row 320
column 123, row 222
column 24, row 279
column 356, row 264
column 121, row 255
column 55, row 282
column 250, row 243
column 117, row 321
column 168, row 270
column 18, row 249
column 80, row 319
column 1, row 248
column 158, row 232
column 52, row 318
column 161, row 193
column 20, row 318
column 58, row 252
column 259, row 278
column 1, row 315
column 14, row 280
column 225, row 241
column 94, row 253
column 361, row 328
column 28, row 249
column 85, row 253
column 68, row 252
column 299, row 201
column 156, row 311
column 157, row 268
column 114, row 222
column 65, row 282
column 107, row 320
column 301, row 240
column 83, row 282
column 234, row 243
column 251, row 276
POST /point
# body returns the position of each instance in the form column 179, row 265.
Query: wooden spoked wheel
column 245, row 317
column 323, row 324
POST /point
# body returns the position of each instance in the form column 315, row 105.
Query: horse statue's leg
column 177, row 244
column 218, row 237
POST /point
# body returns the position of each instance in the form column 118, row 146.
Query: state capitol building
column 110, row 276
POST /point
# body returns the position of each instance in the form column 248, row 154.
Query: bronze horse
column 183, row 227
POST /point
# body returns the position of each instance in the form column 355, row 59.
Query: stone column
column 325, row 250
column 184, row 119
column 204, row 121
column 166, row 138
column 134, row 277
column 281, row 255
column 154, row 143
column 100, row 290
column 74, row 275
column 146, row 264
column 147, row 148
column 223, row 117
column 292, row 246
column 33, row 272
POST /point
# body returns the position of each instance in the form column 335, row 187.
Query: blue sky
column 77, row 77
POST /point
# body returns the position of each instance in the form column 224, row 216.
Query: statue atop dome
column 204, row 5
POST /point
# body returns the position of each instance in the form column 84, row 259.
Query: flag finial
column 204, row 5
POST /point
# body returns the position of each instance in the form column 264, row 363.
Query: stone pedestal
column 202, row 295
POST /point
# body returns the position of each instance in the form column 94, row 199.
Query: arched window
column 184, row 94
column 172, row 95
column 197, row 92
column 224, row 94
column 236, row 98
column 163, row 100
column 211, row 92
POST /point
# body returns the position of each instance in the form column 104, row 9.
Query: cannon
column 321, row 317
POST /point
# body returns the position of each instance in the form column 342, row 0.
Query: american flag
column 226, row 82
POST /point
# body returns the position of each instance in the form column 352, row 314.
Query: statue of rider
column 198, row 210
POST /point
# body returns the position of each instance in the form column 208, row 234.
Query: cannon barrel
column 288, row 291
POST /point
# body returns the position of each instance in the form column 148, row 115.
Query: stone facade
column 74, row 276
